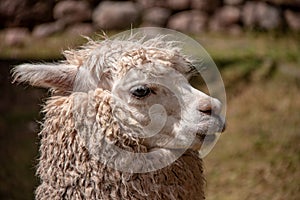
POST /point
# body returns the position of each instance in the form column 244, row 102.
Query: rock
column 16, row 36
column 293, row 19
column 84, row 29
column 260, row 14
column 226, row 19
column 269, row 17
column 178, row 4
column 188, row 21
column 116, row 15
column 47, row 29
column 25, row 13
column 233, row 2
column 72, row 11
column 295, row 3
column 156, row 16
column 228, row 15
column 249, row 15
column 234, row 29
column 145, row 4
column 205, row 5
column 9, row 10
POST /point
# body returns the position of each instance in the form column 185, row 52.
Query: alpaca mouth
column 204, row 142
column 224, row 127
column 208, row 138
column 211, row 135
column 219, row 125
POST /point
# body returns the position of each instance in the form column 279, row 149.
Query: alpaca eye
column 140, row 91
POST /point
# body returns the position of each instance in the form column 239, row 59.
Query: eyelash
column 151, row 91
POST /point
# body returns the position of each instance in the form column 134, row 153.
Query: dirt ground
column 258, row 157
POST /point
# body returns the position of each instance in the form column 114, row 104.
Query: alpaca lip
column 209, row 138
column 223, row 128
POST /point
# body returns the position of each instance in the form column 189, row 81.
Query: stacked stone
column 41, row 18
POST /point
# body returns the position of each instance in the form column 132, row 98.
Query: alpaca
column 123, row 122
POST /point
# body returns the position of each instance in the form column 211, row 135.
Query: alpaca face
column 155, row 99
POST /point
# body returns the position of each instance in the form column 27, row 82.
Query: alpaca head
column 154, row 97
column 147, row 82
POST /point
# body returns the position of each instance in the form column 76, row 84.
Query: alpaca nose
column 210, row 106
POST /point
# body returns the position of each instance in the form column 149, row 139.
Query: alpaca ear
column 60, row 76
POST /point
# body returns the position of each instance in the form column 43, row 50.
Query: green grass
column 223, row 48
column 39, row 49
column 227, row 49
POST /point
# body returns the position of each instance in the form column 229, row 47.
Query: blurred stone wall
column 41, row 18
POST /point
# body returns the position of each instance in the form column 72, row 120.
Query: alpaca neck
column 68, row 171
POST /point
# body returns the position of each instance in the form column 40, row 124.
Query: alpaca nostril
column 206, row 108
column 211, row 106
column 207, row 111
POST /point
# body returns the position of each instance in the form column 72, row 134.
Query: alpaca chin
column 208, row 144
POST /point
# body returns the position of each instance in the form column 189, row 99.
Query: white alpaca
column 115, row 99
